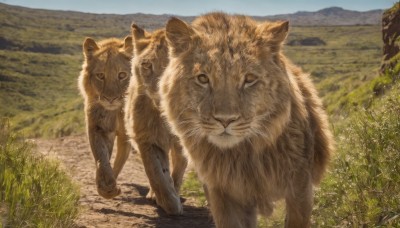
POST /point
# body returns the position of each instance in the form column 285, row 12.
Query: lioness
column 251, row 122
column 145, row 126
column 103, row 81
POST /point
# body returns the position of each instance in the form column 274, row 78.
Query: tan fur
column 103, row 81
column 251, row 121
column 144, row 124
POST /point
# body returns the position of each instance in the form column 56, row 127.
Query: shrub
column 363, row 188
column 34, row 192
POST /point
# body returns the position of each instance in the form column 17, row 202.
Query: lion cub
column 144, row 124
column 103, row 81
column 251, row 122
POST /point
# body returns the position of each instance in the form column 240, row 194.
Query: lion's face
column 108, row 66
column 151, row 59
column 227, row 84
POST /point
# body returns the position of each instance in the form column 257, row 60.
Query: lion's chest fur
column 107, row 120
column 249, row 174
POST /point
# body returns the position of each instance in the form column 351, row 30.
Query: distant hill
column 332, row 16
column 323, row 17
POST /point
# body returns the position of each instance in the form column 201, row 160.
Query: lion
column 251, row 121
column 103, row 81
column 146, row 128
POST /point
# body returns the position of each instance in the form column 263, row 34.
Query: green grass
column 192, row 187
column 34, row 191
column 363, row 188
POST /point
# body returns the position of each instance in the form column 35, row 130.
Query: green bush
column 34, row 192
column 364, row 184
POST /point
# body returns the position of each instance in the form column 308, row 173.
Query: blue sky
column 187, row 7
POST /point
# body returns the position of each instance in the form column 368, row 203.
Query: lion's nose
column 226, row 119
column 109, row 99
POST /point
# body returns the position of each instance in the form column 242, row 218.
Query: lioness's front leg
column 123, row 148
column 156, row 164
column 299, row 201
column 179, row 164
column 227, row 213
column 101, row 143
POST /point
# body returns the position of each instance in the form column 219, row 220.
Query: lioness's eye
column 100, row 76
column 146, row 65
column 203, row 79
column 250, row 79
column 122, row 75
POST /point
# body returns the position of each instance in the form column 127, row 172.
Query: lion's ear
column 89, row 47
column 274, row 32
column 128, row 45
column 137, row 32
column 179, row 35
column 138, row 35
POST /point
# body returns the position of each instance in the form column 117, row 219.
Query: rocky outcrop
column 391, row 38
column 308, row 41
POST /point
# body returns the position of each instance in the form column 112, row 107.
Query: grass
column 34, row 192
column 363, row 186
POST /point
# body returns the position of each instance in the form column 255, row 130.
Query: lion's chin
column 224, row 141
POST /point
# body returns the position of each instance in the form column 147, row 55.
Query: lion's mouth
column 111, row 106
column 225, row 134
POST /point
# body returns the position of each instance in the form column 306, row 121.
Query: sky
column 196, row 7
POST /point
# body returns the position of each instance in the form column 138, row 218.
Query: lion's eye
column 203, row 79
column 250, row 79
column 122, row 75
column 146, row 65
column 100, row 76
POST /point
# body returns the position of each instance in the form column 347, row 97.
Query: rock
column 391, row 37
column 309, row 41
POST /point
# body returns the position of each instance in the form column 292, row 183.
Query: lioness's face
column 110, row 77
column 110, row 71
column 151, row 59
column 227, row 85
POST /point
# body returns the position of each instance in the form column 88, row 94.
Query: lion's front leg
column 227, row 213
column 299, row 202
column 156, row 164
column 101, row 143
column 179, row 164
column 123, row 149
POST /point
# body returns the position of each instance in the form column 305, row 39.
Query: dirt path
column 131, row 208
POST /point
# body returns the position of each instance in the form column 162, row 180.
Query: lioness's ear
column 137, row 32
column 89, row 47
column 138, row 35
column 179, row 35
column 128, row 45
column 274, row 32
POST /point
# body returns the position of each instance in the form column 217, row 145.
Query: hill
column 40, row 53
column 332, row 16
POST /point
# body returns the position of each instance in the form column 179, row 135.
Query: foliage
column 363, row 186
column 34, row 192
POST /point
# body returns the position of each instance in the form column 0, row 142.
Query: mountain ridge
column 327, row 16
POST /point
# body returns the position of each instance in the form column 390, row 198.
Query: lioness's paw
column 171, row 204
column 106, row 184
column 109, row 193
column 151, row 195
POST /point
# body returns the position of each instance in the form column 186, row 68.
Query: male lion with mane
column 251, row 121
column 144, row 124
column 103, row 82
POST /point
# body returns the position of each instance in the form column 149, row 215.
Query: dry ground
column 131, row 208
